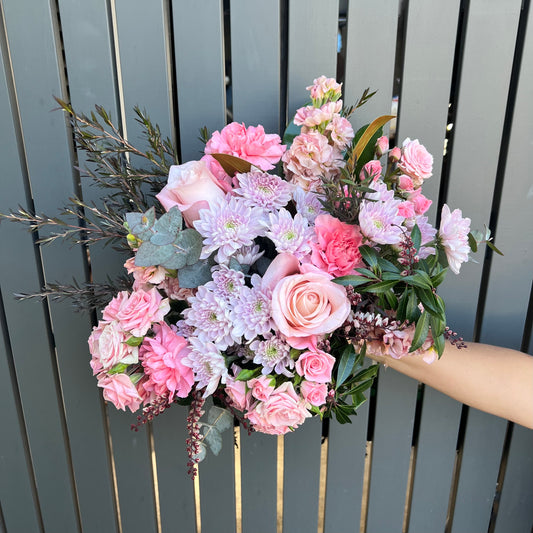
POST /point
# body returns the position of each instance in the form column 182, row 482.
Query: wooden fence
column 413, row 460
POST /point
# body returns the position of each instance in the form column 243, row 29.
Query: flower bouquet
column 262, row 273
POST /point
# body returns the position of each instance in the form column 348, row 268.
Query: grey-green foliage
column 218, row 420
column 164, row 243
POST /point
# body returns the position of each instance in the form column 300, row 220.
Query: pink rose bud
column 405, row 183
column 382, row 145
column 371, row 170
column 395, row 155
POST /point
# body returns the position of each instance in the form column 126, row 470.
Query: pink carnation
column 337, row 248
column 162, row 361
column 251, row 144
column 314, row 393
column 120, row 391
column 140, row 310
column 416, row 161
column 282, row 412
column 315, row 365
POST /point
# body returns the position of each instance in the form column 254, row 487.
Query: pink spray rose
column 112, row 308
column 314, row 393
column 416, row 161
column 120, row 391
column 237, row 393
column 307, row 305
column 420, row 202
column 382, row 145
column 251, row 144
column 261, row 388
column 395, row 154
column 140, row 310
column 371, row 170
column 315, row 365
column 405, row 183
column 337, row 248
column 283, row 411
column 190, row 187
column 162, row 361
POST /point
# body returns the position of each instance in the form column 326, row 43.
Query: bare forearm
column 496, row 380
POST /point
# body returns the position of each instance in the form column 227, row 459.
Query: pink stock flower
column 190, row 187
column 162, row 361
column 251, row 144
column 337, row 248
column 282, row 412
column 120, row 391
column 315, row 365
column 340, row 131
column 416, row 161
column 310, row 116
column 453, row 236
column 324, row 88
column 310, row 158
column 140, row 310
column 371, row 170
column 314, row 393
column 307, row 305
column 107, row 345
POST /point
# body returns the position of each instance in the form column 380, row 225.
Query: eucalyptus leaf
column 190, row 277
column 220, row 418
column 162, row 239
column 213, row 439
column 190, row 241
column 202, row 452
column 171, row 222
column 149, row 254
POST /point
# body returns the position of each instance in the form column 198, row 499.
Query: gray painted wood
column 426, row 82
column 255, row 62
column 258, row 464
column 390, row 457
column 200, row 72
column 301, row 478
column 361, row 58
column 310, row 58
column 346, row 462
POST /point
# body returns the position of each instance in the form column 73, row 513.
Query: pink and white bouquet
column 272, row 269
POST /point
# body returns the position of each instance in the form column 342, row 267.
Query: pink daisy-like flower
column 226, row 226
column 260, row 189
column 307, row 204
column 453, row 236
column 380, row 222
column 227, row 283
column 252, row 313
column 273, row 354
column 162, row 358
column 290, row 235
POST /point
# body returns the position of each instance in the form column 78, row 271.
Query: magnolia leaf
column 346, row 365
column 370, row 130
column 291, row 132
column 421, row 332
column 231, row 164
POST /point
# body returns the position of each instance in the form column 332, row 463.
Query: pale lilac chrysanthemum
column 427, row 232
column 227, row 225
column 273, row 354
column 227, row 283
column 307, row 204
column 382, row 193
column 453, row 236
column 248, row 255
column 208, row 365
column 252, row 313
column 211, row 316
column 380, row 222
column 290, row 235
column 184, row 329
column 260, row 189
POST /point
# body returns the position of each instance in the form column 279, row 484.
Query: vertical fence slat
column 478, row 130
column 310, row 58
column 255, row 62
column 91, row 78
column 361, row 58
column 198, row 38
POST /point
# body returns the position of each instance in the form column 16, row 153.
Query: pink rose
column 283, row 411
column 261, row 388
column 190, row 187
column 112, row 308
column 405, row 183
column 120, row 391
column 315, row 365
column 371, row 170
column 237, row 393
column 382, row 145
column 420, row 202
column 162, row 358
column 416, row 161
column 140, row 310
column 395, row 154
column 306, row 305
column 406, row 209
column 224, row 181
column 107, row 345
column 251, row 144
column 314, row 393
column 337, row 248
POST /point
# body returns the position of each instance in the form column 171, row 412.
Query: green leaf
column 118, row 368
column 401, row 310
column 438, row 278
column 367, row 373
column 380, row 287
column 369, row 255
column 438, row 344
column 361, row 387
column 291, row 132
column 429, row 301
column 366, row 272
column 472, row 242
column 370, row 131
column 416, row 237
column 389, row 276
column 245, row 374
column 354, row 281
column 358, row 399
column 419, row 279
column 437, row 325
column 134, row 341
column 392, row 299
column 346, row 365
column 387, row 266
column 341, row 417
column 493, row 248
column 421, row 332
column 412, row 312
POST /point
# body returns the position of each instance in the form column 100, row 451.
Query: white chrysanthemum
column 208, row 365
column 260, row 189
column 453, row 236
column 211, row 316
column 252, row 313
column 307, row 204
column 273, row 354
column 248, row 255
column 290, row 235
column 226, row 226
column 227, row 283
